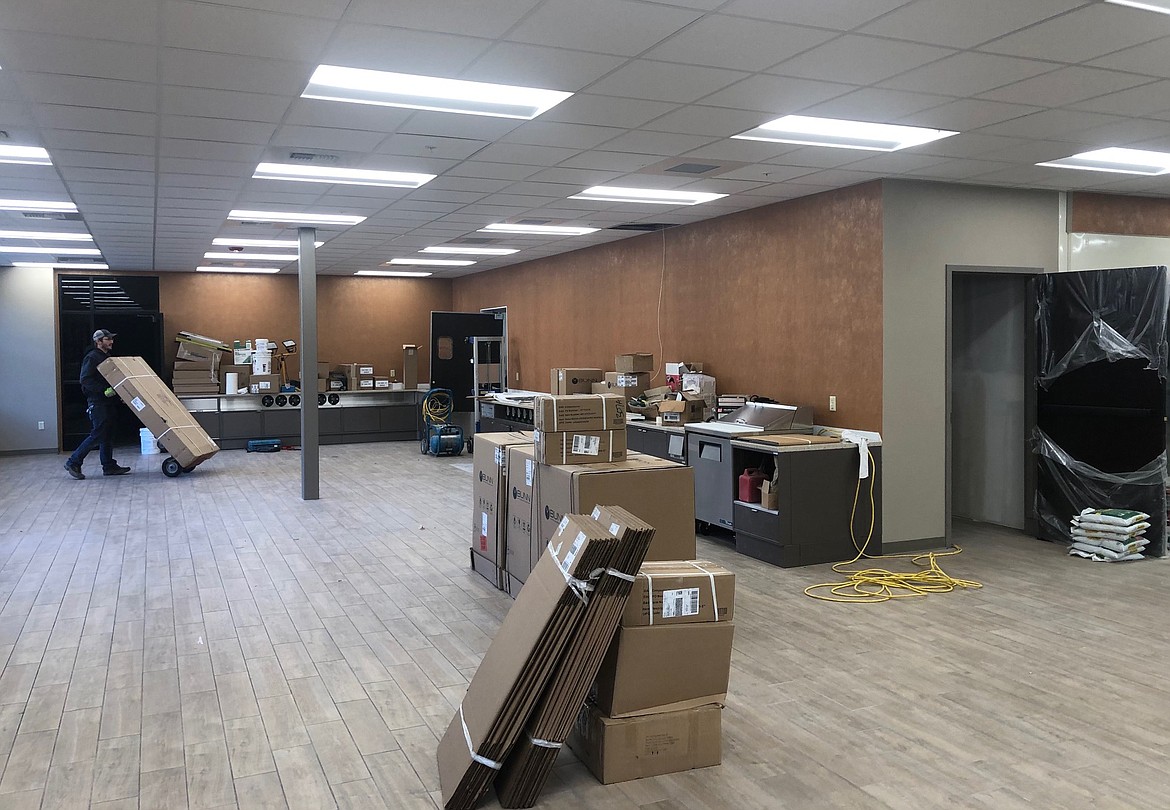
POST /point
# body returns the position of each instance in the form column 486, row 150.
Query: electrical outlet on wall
column 517, row 376
column 40, row 425
column 832, row 403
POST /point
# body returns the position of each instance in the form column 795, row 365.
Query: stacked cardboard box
column 517, row 666
column 580, row 428
column 664, row 677
column 159, row 410
column 358, row 376
column 527, row 768
column 522, row 543
column 563, row 381
column 196, row 369
column 682, row 409
column 491, row 500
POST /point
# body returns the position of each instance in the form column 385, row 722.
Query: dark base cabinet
column 812, row 522
column 657, row 441
column 496, row 417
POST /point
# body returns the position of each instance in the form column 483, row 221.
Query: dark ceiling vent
column 643, row 226
column 693, row 168
column 58, row 216
column 312, row 157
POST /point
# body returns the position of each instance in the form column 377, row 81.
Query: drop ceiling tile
column 1086, row 33
column 17, row 115
column 1065, row 86
column 80, row 190
column 818, row 157
column 325, row 9
column 611, row 111
column 112, row 176
column 859, row 60
column 553, row 191
column 774, row 96
column 219, row 71
column 770, row 174
column 128, row 21
column 188, row 176
column 55, row 116
column 377, row 47
column 664, row 144
column 210, row 150
column 609, row 161
column 43, row 53
column 206, row 168
column 1149, row 59
column 968, row 74
column 1124, row 132
column 406, row 145
column 217, row 129
column 663, row 81
column 326, row 139
column 961, row 24
column 98, row 142
column 539, row 156
column 967, row 114
column 244, row 32
column 876, row 104
column 758, row 44
column 711, row 122
column 526, row 65
column 1148, row 101
column 428, row 194
column 577, row 136
column 1051, row 125
column 211, row 103
column 1031, row 152
column 842, row 15
column 894, row 162
column 584, row 178
column 619, row 27
column 967, row 144
column 450, row 125
column 472, row 19
column 319, row 113
column 82, row 91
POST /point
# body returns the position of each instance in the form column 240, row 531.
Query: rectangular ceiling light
column 645, row 195
column 46, row 206
column 251, row 257
column 537, row 230
column 834, row 132
column 224, row 241
column 31, row 155
column 1159, row 6
column 1116, row 160
column 294, row 218
column 471, row 251
column 351, row 177
column 65, row 265
column 433, row 262
column 52, row 251
column 393, row 273
column 46, row 236
column 359, row 86
column 215, row 269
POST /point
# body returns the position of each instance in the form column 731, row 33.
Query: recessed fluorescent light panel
column 294, row 218
column 841, row 134
column 351, row 177
column 214, row 269
column 65, row 265
column 393, row 273
column 1159, row 7
column 31, row 155
column 359, row 86
column 471, row 251
column 434, row 262
column 1116, row 160
column 46, row 236
column 537, row 230
column 52, row 251
column 45, row 206
column 251, row 257
column 645, row 195
column 223, row 241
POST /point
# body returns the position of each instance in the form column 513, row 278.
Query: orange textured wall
column 783, row 301
column 1114, row 213
column 359, row 320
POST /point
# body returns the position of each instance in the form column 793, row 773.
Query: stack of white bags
column 1109, row 535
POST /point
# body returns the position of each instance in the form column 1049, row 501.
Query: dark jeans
column 101, row 415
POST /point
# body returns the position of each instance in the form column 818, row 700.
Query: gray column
column 310, row 435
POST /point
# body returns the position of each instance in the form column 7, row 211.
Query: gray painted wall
column 926, row 227
column 28, row 360
column 988, row 314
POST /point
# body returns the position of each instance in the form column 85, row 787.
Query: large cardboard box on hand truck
column 157, row 407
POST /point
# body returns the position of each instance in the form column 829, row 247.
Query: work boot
column 116, row 470
column 74, row 470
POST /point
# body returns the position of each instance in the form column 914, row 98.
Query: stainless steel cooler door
column 710, row 457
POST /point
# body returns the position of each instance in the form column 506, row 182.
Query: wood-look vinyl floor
column 212, row 641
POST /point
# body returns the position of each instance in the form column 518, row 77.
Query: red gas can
column 749, row 485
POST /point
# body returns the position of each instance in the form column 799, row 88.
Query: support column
column 310, row 431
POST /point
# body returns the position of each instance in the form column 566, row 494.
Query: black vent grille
column 643, row 226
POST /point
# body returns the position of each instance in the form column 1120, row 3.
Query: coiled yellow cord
column 436, row 407
column 878, row 584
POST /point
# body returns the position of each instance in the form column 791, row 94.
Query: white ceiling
column 156, row 112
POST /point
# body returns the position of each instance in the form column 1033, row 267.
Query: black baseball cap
column 103, row 333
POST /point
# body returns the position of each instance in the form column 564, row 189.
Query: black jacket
column 93, row 384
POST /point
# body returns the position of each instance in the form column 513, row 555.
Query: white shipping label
column 596, row 513
column 614, row 529
column 571, row 554
column 265, row 385
column 528, row 468
column 483, row 529
column 138, row 404
column 682, row 602
column 586, row 445
column 627, row 380
column 499, row 457
column 369, row 370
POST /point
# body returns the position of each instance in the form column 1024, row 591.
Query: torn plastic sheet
column 1077, row 485
column 1113, row 314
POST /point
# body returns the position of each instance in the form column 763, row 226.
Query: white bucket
column 149, row 445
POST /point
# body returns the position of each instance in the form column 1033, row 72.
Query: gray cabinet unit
column 657, row 440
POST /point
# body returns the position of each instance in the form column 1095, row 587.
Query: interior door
column 1100, row 437
column 451, row 351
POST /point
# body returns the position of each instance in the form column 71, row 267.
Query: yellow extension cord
column 878, row 584
column 437, row 409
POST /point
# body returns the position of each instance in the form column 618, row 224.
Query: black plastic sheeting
column 1100, row 440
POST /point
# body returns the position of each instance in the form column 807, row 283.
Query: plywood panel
column 1113, row 213
column 360, row 320
column 783, row 301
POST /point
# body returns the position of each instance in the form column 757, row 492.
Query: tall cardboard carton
column 521, row 553
column 410, row 366
column 490, row 498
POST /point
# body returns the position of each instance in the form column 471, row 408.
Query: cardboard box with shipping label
column 680, row 592
column 682, row 411
column 579, row 412
column 634, row 362
column 490, row 497
column 265, row 383
column 625, row 748
column 629, row 384
column 574, row 380
column 521, row 551
column 580, row 446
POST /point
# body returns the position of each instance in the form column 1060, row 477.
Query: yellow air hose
column 878, row 584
